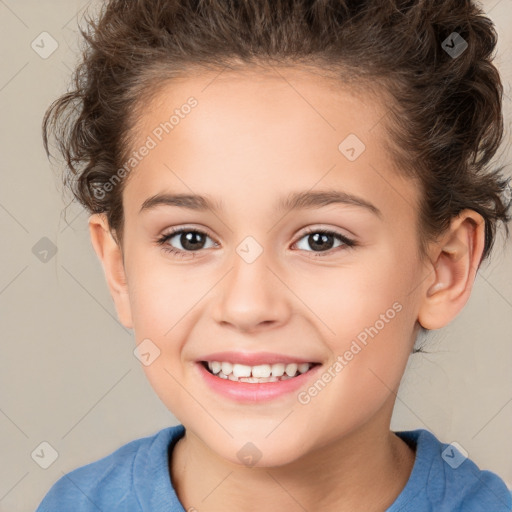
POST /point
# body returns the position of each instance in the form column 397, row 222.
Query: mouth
column 258, row 374
column 257, row 377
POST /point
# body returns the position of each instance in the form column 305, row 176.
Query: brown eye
column 186, row 240
column 322, row 240
column 190, row 240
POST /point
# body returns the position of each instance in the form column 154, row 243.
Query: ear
column 111, row 257
column 455, row 259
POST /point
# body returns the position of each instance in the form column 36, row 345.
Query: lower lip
column 250, row 393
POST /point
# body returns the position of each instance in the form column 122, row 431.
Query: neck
column 364, row 470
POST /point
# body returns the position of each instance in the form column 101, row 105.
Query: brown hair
column 445, row 121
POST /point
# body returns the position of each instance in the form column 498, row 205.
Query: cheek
column 370, row 350
column 166, row 300
column 367, row 320
column 367, row 292
column 162, row 311
column 160, row 294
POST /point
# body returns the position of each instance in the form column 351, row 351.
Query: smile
column 257, row 383
column 256, row 374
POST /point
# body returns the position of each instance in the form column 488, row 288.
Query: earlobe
column 111, row 258
column 456, row 258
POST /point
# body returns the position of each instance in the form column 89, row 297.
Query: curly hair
column 445, row 120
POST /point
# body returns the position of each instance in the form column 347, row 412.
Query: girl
column 283, row 195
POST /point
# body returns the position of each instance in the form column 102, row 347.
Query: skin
column 253, row 139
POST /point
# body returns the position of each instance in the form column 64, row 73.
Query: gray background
column 68, row 375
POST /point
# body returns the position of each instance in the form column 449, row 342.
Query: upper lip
column 254, row 359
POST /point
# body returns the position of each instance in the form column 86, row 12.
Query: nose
column 252, row 297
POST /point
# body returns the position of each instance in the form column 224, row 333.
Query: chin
column 260, row 453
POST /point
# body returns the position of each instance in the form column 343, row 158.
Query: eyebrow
column 294, row 201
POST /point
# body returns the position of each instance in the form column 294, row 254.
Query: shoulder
column 111, row 483
column 445, row 478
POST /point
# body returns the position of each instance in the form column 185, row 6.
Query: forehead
column 251, row 132
column 287, row 100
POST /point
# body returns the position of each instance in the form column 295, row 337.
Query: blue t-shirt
column 136, row 478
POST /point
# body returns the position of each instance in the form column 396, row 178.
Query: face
column 326, row 279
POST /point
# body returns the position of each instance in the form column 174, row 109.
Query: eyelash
column 348, row 243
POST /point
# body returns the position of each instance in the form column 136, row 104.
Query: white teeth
column 251, row 380
column 261, row 371
column 277, row 369
column 303, row 368
column 241, row 370
column 227, row 368
column 291, row 369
